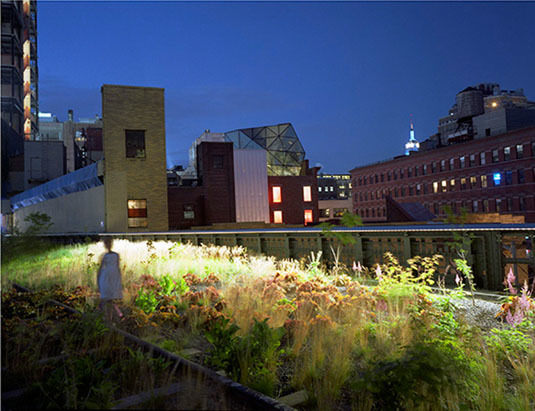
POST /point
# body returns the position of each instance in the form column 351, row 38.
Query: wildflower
column 510, row 280
column 379, row 273
column 458, row 280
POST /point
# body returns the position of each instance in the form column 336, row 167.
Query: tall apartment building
column 19, row 89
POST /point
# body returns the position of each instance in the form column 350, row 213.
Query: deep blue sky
column 347, row 75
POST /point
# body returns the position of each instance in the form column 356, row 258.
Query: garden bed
column 282, row 327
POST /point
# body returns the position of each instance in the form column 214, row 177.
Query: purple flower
column 381, row 305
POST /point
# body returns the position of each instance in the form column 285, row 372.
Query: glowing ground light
column 497, row 178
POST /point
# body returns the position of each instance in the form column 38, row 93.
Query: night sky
column 346, row 75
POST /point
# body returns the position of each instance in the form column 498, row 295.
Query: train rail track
column 189, row 380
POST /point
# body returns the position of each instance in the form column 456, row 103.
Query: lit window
column 189, row 213
column 435, row 186
column 137, row 213
column 277, row 197
column 497, row 178
column 506, row 153
column 519, row 151
column 308, row 217
column 319, row 189
column 452, row 183
column 307, row 193
column 483, row 181
column 463, row 183
column 473, row 182
column 277, row 217
column 444, row 185
column 332, row 188
column 135, row 143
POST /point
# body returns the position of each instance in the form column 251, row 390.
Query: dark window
column 487, row 132
column 424, row 169
column 409, row 172
column 435, row 208
column 519, row 151
column 135, row 143
column 452, row 163
column 482, row 159
column 189, row 212
column 389, row 176
column 508, row 177
column 137, row 213
column 495, row 157
column 434, row 167
column 382, row 178
column 533, row 148
column 411, row 191
column 498, row 205
column 461, row 161
column 472, row 160
column 509, row 204
column 416, row 171
column 401, row 173
column 522, row 203
column 442, row 165
column 485, row 206
column 402, row 191
column 506, row 153
column 425, row 188
column 474, row 206
column 395, row 175
column 521, row 176
column 217, row 161
column 376, row 178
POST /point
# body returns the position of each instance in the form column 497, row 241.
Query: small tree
column 39, row 223
column 343, row 238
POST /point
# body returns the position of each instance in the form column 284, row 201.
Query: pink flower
column 359, row 267
column 378, row 272
column 510, row 280
column 457, row 279
column 381, row 305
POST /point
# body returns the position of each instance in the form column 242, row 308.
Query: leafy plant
column 146, row 300
column 342, row 238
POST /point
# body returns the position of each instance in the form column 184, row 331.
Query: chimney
column 70, row 115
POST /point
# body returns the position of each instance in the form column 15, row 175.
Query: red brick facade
column 212, row 201
column 492, row 174
column 292, row 204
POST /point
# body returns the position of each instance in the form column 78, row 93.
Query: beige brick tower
column 135, row 176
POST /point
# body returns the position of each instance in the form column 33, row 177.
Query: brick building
column 212, row 199
column 486, row 175
column 294, row 199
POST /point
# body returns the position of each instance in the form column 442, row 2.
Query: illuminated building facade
column 495, row 174
column 412, row 145
column 31, row 72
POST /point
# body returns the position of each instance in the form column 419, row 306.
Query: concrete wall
column 251, row 186
column 43, row 161
column 134, row 108
column 78, row 212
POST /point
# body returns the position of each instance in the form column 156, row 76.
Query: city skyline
column 326, row 68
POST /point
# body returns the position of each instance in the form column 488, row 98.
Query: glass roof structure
column 284, row 150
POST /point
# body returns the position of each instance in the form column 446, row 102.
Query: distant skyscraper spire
column 412, row 144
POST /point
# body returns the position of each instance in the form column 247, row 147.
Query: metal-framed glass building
column 285, row 154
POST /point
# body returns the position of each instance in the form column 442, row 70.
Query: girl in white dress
column 109, row 281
